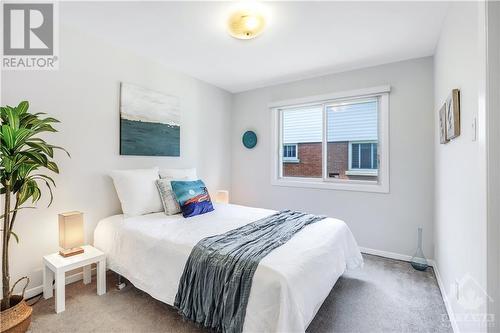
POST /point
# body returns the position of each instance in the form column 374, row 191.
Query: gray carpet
column 384, row 296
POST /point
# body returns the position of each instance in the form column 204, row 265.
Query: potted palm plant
column 25, row 157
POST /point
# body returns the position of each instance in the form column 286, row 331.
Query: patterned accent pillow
column 168, row 199
column 193, row 197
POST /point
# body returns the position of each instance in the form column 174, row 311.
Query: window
column 290, row 153
column 302, row 129
column 342, row 139
column 363, row 158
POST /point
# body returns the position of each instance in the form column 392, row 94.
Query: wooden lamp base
column 70, row 252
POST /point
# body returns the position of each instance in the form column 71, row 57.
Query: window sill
column 291, row 161
column 333, row 184
column 362, row 173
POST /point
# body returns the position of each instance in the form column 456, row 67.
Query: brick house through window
column 352, row 141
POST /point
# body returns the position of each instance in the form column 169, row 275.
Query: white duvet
column 289, row 285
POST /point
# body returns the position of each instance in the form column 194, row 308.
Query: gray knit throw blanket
column 215, row 285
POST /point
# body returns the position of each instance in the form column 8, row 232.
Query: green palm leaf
column 22, row 107
column 12, row 117
column 8, row 137
column 53, row 167
column 20, row 136
column 36, row 157
column 47, row 149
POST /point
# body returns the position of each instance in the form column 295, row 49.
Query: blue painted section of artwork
column 249, row 139
column 193, row 197
column 149, row 139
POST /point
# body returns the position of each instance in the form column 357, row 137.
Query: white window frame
column 380, row 185
column 292, row 159
column 358, row 171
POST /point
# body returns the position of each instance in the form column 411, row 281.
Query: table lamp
column 70, row 233
column 222, row 196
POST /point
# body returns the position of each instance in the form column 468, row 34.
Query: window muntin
column 370, row 180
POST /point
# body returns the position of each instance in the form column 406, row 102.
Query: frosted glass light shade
column 246, row 23
column 222, row 196
column 70, row 233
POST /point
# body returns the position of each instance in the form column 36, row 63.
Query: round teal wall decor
column 249, row 139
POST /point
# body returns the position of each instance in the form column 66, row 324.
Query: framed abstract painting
column 442, row 125
column 453, row 115
column 149, row 122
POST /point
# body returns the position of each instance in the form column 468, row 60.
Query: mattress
column 289, row 285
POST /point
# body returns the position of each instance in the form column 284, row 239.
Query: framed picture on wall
column 149, row 122
column 442, row 125
column 453, row 115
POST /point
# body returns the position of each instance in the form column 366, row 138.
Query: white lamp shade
column 70, row 230
column 222, row 196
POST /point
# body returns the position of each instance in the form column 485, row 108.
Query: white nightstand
column 55, row 264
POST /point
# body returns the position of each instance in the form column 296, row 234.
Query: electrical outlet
column 457, row 289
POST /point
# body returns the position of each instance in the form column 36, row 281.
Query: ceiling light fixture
column 246, row 23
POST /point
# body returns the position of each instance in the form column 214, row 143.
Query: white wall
column 493, row 143
column 84, row 95
column 460, row 222
column 385, row 222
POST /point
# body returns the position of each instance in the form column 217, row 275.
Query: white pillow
column 178, row 174
column 175, row 174
column 137, row 191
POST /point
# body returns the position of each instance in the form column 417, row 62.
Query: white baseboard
column 449, row 309
column 404, row 257
column 32, row 292
column 390, row 255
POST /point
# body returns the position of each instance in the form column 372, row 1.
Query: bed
column 289, row 285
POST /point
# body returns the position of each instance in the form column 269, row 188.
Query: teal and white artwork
column 149, row 122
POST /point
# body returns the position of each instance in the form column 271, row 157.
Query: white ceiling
column 303, row 39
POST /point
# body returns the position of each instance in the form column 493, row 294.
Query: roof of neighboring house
column 351, row 122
